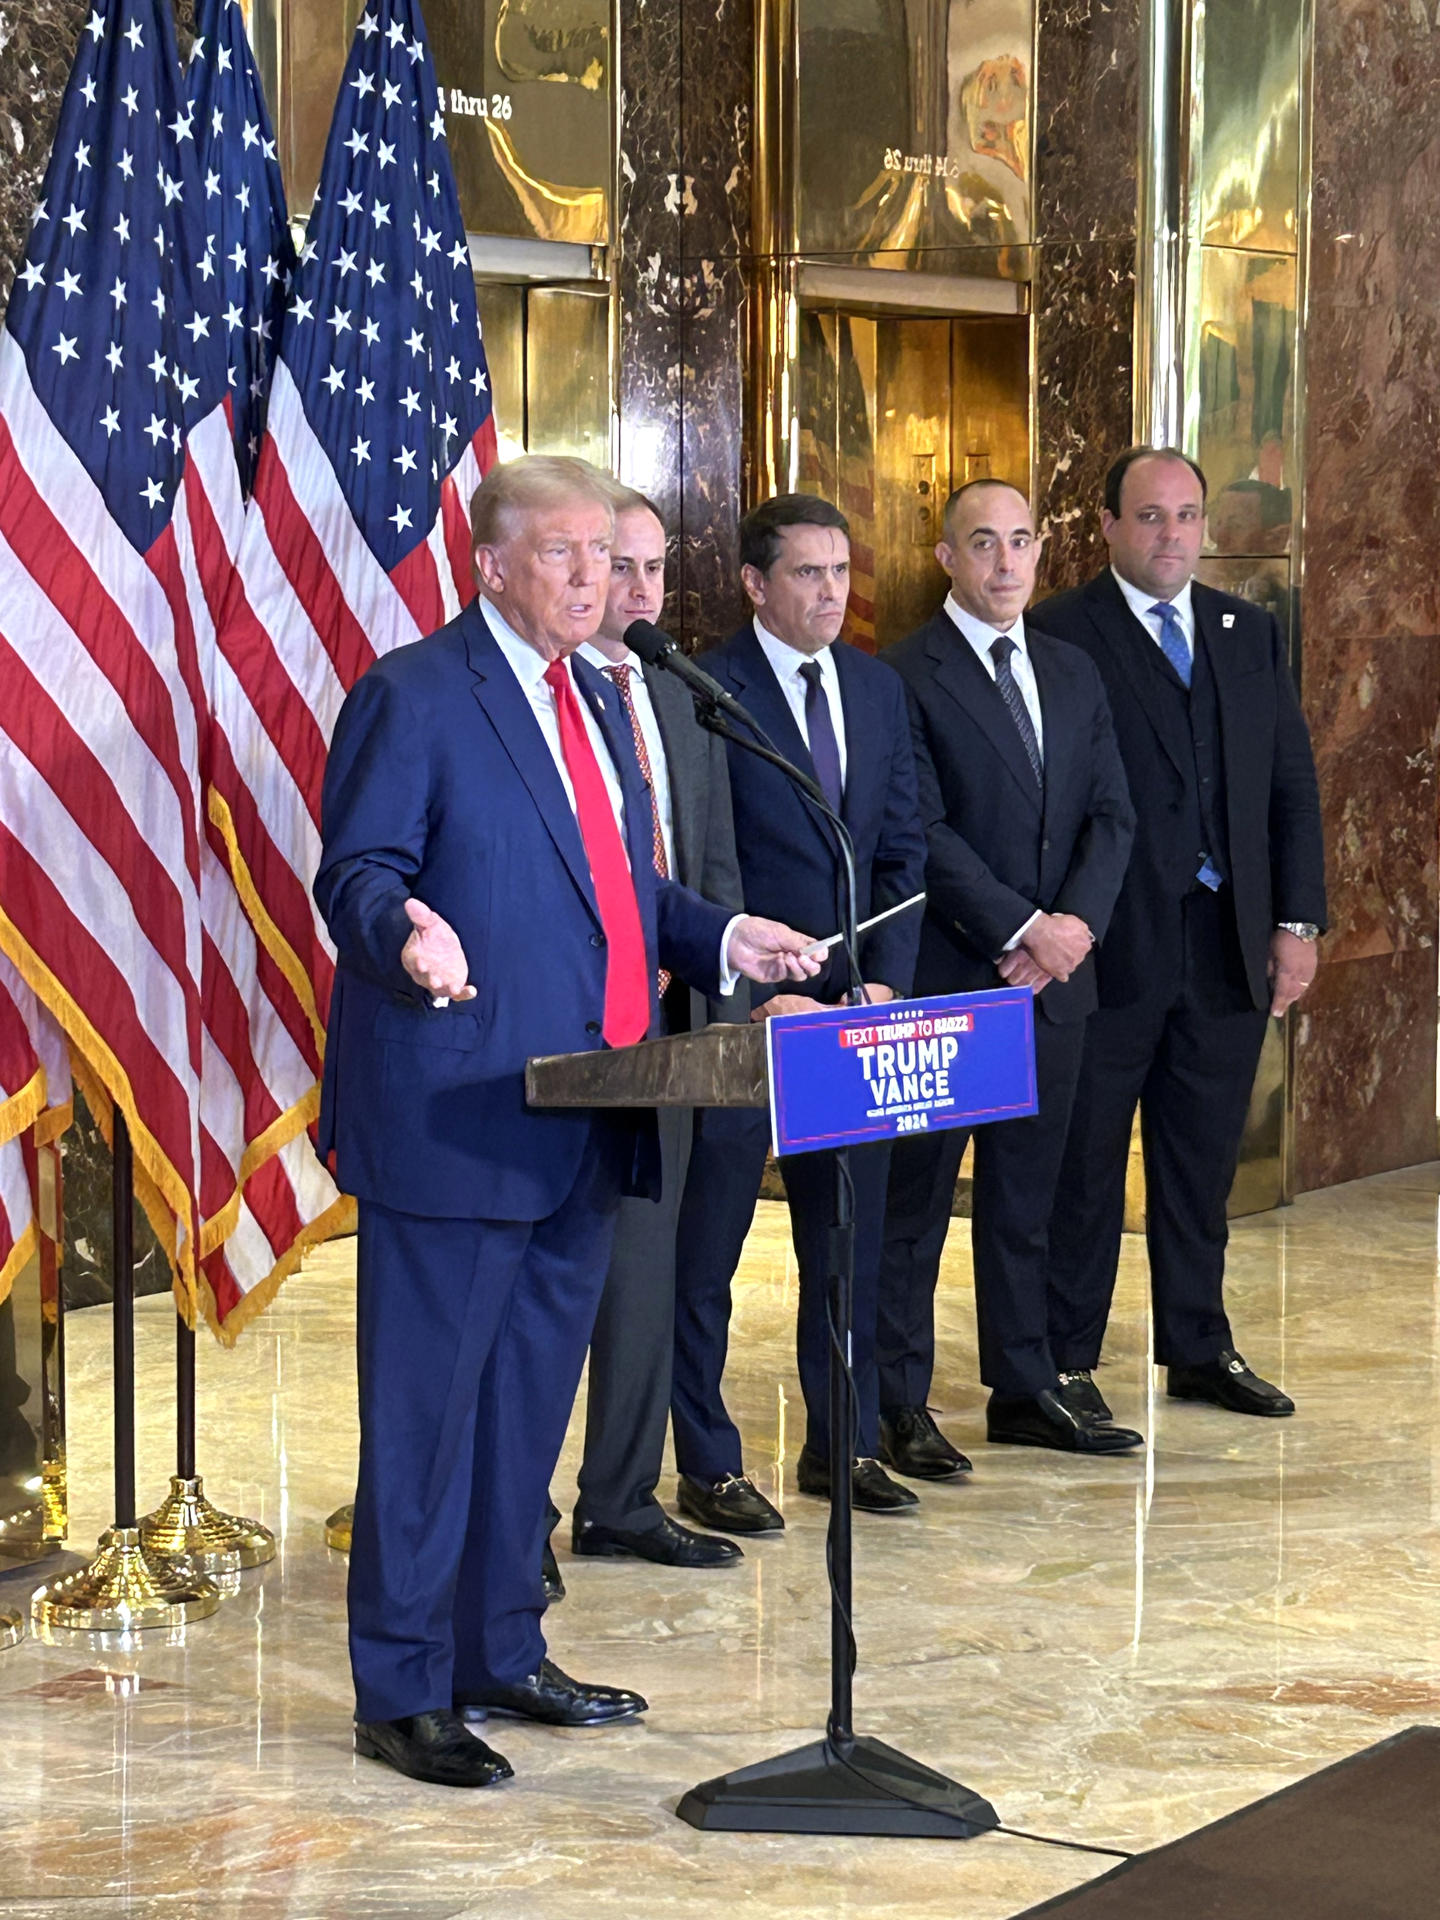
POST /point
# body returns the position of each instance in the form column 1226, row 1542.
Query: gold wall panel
column 892, row 412
column 1248, row 60
column 526, row 86
column 914, row 124
column 567, row 373
column 1240, row 376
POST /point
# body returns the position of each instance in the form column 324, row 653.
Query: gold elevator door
column 894, row 411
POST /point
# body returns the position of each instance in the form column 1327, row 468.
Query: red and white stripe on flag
column 34, row 1109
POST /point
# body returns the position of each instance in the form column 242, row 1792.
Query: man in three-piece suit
column 628, row 1404
column 1029, row 827
column 489, row 882
column 1215, row 928
column 839, row 716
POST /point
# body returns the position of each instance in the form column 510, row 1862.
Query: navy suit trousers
column 726, row 1165
column 471, row 1335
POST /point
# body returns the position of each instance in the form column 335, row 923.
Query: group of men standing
column 531, row 846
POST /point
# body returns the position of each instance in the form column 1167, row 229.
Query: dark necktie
column 1000, row 652
column 627, row 973
column 621, row 676
column 1172, row 640
column 824, row 747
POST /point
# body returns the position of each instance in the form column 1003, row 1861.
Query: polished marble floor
column 1113, row 1651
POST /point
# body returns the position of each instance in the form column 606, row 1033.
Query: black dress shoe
column 1081, row 1395
column 554, row 1699
column 912, row 1444
column 550, row 1573
column 871, row 1488
column 1227, row 1382
column 434, row 1747
column 732, row 1505
column 1046, row 1421
column 667, row 1545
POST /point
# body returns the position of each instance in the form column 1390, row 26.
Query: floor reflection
column 1112, row 1651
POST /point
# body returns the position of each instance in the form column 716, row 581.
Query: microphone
column 658, row 649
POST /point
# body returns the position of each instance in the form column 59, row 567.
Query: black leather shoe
column 434, row 1747
column 667, row 1545
column 1046, row 1421
column 911, row 1443
column 732, row 1505
column 871, row 1488
column 550, row 1573
column 554, row 1699
column 1227, row 1382
column 1081, row 1395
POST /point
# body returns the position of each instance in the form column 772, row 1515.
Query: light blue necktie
column 1172, row 640
column 1172, row 645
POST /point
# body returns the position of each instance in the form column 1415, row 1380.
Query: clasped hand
column 1050, row 949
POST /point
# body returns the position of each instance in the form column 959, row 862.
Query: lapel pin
column 1227, row 619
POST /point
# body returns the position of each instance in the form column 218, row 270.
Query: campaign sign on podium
column 847, row 1075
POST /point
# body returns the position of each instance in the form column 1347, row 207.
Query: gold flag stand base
column 12, row 1628
column 125, row 1588
column 186, row 1526
column 339, row 1527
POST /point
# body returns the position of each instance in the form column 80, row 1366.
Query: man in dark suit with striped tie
column 1029, row 827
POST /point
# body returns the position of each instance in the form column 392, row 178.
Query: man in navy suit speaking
column 488, row 881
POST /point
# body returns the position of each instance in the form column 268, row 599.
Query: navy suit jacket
column 440, row 785
column 999, row 847
column 1272, row 804
column 788, row 859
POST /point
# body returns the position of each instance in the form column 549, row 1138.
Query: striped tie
column 1000, row 653
column 621, row 676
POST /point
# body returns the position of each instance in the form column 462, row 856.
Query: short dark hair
column 1115, row 478
column 972, row 486
column 760, row 530
column 1274, row 502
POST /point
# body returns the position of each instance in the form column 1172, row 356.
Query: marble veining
column 1112, row 1651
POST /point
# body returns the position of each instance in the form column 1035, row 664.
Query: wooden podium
column 720, row 1066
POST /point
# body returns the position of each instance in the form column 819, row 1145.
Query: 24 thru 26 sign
column 847, row 1075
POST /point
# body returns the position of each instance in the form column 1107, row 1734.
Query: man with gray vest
column 1214, row 931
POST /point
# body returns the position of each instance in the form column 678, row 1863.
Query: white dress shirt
column 529, row 669
column 982, row 638
column 649, row 728
column 787, row 662
column 1140, row 604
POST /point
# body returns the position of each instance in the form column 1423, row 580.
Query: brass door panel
column 526, row 89
column 1248, row 59
column 913, row 122
column 548, row 350
column 892, row 413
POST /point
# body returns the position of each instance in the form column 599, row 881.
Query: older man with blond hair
column 489, row 883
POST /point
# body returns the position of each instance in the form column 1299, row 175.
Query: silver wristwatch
column 1302, row 929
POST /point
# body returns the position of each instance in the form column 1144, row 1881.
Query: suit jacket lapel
column 862, row 756
column 1059, row 734
column 603, row 699
column 502, row 698
column 684, row 767
column 966, row 681
column 760, row 691
column 1126, row 640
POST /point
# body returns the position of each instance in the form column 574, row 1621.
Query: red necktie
column 621, row 676
column 627, row 975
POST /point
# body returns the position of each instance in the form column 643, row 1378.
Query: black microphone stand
column 845, row 1783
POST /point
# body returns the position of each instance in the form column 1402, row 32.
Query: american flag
column 120, row 513
column 250, row 251
column 379, row 429
column 34, row 1086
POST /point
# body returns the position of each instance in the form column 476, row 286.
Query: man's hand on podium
column 875, row 993
column 433, row 956
column 766, row 951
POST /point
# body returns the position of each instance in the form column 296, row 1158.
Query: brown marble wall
column 38, row 38
column 684, row 231
column 1365, row 1055
column 1086, row 112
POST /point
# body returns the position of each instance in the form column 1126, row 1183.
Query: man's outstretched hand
column 433, row 956
column 766, row 951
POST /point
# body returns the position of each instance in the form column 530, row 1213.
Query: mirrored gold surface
column 1112, row 1651
column 525, row 86
column 1241, row 395
column 914, row 123
column 1248, row 58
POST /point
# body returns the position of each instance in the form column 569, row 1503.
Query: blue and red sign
column 847, row 1075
